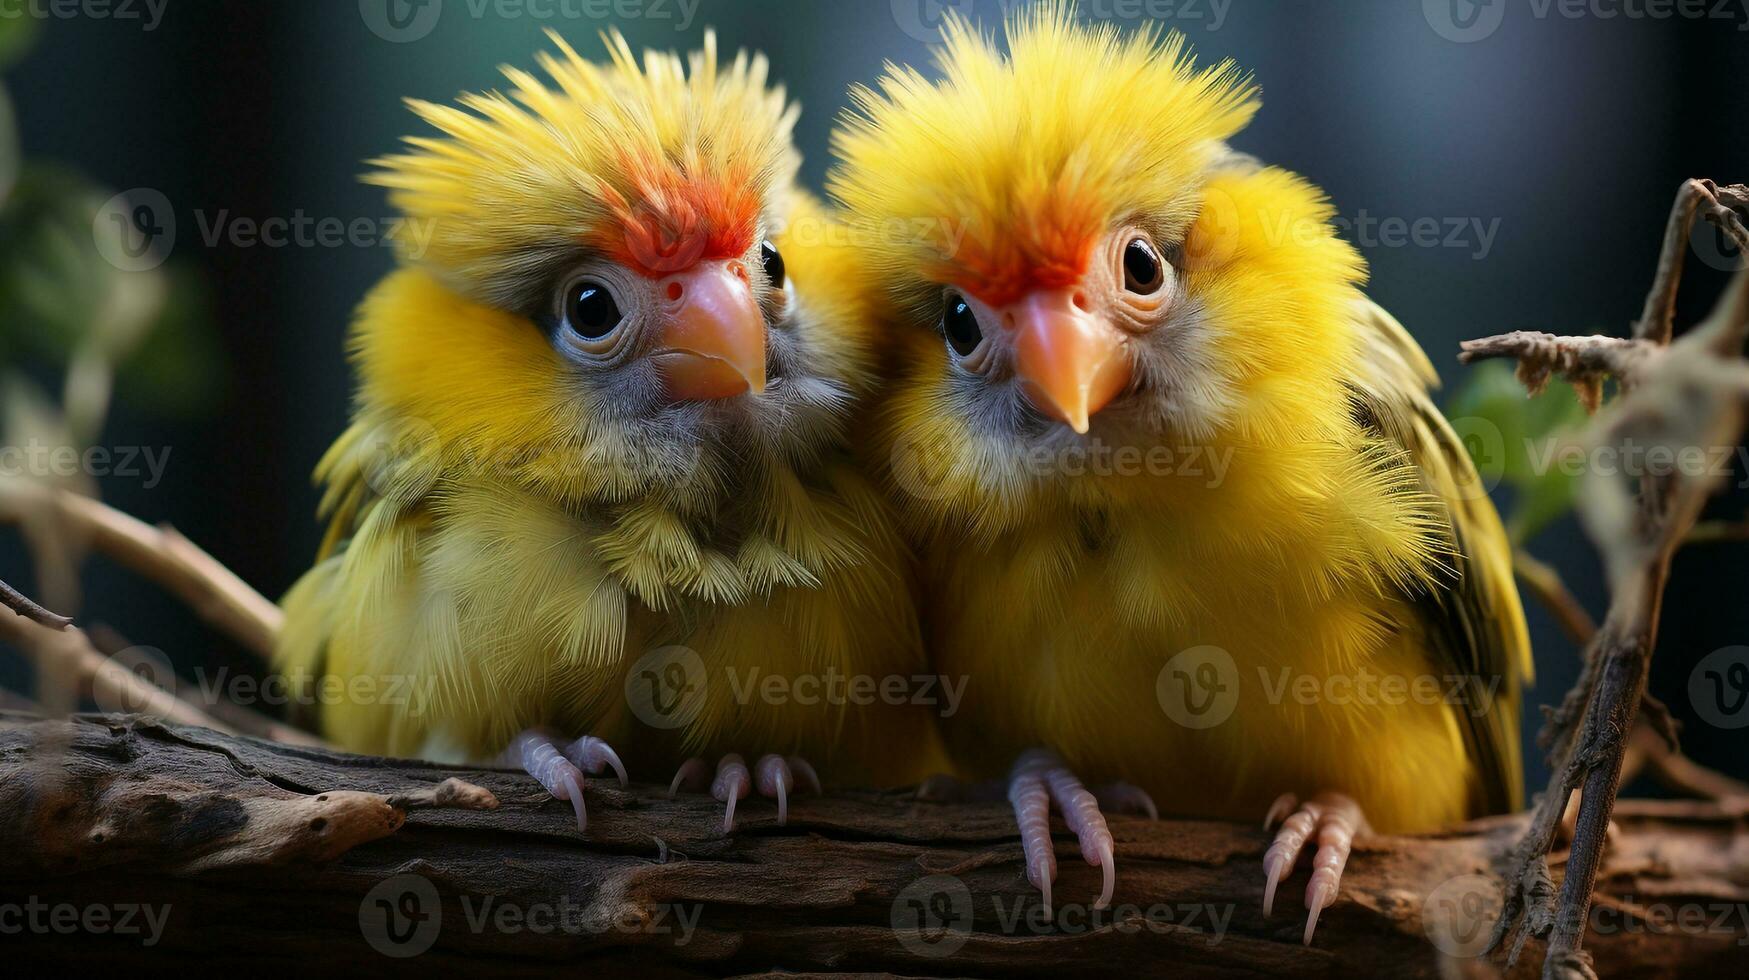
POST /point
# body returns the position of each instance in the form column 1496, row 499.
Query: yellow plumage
column 1344, row 535
column 510, row 538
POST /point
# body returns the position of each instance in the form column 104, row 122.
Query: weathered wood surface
column 267, row 856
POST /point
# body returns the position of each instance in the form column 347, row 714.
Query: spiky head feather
column 656, row 166
column 1018, row 163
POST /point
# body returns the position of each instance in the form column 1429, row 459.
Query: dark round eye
column 591, row 311
column 773, row 262
column 1143, row 272
column 961, row 325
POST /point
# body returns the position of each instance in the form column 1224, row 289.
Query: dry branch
column 266, row 854
column 160, row 554
column 1676, row 394
column 21, row 604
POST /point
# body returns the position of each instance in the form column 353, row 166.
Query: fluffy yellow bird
column 1190, row 520
column 599, row 447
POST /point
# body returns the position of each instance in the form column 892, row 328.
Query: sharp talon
column 804, row 769
column 1109, row 863
column 1045, row 887
column 574, row 788
column 1316, row 902
column 782, row 803
column 731, row 784
column 1272, row 865
column 674, row 787
column 1278, row 811
column 592, row 754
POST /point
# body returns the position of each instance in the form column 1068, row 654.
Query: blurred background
column 1503, row 164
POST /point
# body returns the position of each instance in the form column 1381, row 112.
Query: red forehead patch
column 1043, row 245
column 675, row 220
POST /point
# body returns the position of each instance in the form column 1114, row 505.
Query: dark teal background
column 1572, row 133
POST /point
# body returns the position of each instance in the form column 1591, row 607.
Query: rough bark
column 267, row 855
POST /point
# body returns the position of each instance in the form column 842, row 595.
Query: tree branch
column 162, row 555
column 239, row 837
column 1686, row 393
column 19, row 603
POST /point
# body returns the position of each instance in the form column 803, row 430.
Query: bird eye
column 1143, row 272
column 961, row 325
column 591, row 310
column 773, row 262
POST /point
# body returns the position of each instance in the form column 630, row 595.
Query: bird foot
column 1038, row 780
column 773, row 776
column 560, row 767
column 1334, row 821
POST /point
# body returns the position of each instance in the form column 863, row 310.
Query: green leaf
column 17, row 35
column 178, row 369
column 1529, row 431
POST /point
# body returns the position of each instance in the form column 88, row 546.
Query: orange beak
column 1071, row 363
column 713, row 345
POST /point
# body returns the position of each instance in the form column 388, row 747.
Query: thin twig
column 109, row 680
column 161, row 554
column 19, row 603
column 1691, row 392
column 1545, row 583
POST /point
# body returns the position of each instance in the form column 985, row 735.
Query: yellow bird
column 1190, row 521
column 597, row 485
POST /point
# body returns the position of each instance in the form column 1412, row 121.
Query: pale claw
column 540, row 756
column 593, row 756
column 731, row 784
column 694, row 776
column 1124, row 798
column 773, row 775
column 1039, row 779
column 1336, row 821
